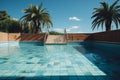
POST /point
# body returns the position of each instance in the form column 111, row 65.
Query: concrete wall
column 79, row 37
column 4, row 37
column 32, row 37
column 112, row 36
column 14, row 37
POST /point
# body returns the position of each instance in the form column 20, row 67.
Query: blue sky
column 74, row 15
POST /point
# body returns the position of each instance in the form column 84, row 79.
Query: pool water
column 74, row 61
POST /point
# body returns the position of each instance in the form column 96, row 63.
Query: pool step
column 55, row 39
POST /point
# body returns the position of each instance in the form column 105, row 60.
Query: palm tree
column 37, row 16
column 105, row 15
column 47, row 22
column 4, row 15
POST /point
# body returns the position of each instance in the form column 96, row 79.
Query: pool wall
column 111, row 36
column 5, row 37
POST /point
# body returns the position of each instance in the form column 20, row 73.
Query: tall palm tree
column 105, row 15
column 36, row 15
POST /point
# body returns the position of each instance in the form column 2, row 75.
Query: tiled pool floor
column 50, row 62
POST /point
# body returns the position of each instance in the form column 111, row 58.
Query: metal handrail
column 45, row 38
column 65, row 34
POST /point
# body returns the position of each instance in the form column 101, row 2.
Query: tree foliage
column 4, row 15
column 105, row 15
column 37, row 16
column 9, row 25
column 55, row 33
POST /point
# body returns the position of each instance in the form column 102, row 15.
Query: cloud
column 75, row 27
column 69, row 29
column 58, row 29
column 74, row 19
column 72, row 28
column 16, row 19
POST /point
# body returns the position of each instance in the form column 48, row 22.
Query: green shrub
column 9, row 25
column 55, row 33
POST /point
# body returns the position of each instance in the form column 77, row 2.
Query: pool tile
column 63, row 68
column 46, row 73
column 58, row 63
column 64, row 73
column 73, row 78
column 64, row 78
column 90, row 77
column 79, row 73
column 40, row 72
column 82, row 78
column 56, row 73
column 95, row 73
column 87, row 73
column 31, row 75
column 6, row 73
column 55, row 78
column 100, row 78
column 72, row 72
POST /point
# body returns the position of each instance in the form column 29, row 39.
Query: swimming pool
column 74, row 61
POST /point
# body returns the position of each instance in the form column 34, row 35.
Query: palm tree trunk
column 108, row 26
column 36, row 26
column 38, row 29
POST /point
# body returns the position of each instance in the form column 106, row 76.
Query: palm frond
column 105, row 15
column 115, row 20
column 104, row 5
column 38, row 16
column 40, row 6
column 113, row 5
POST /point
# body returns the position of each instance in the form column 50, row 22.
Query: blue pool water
column 74, row 61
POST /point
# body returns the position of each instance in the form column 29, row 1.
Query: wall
column 112, row 36
column 14, row 37
column 32, row 37
column 4, row 37
column 79, row 37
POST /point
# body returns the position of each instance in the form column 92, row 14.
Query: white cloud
column 74, row 19
column 69, row 29
column 75, row 27
column 58, row 29
column 72, row 28
column 15, row 19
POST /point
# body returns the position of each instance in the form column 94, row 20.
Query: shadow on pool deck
column 60, row 78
